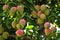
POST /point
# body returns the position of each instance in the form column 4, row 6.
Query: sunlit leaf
column 29, row 27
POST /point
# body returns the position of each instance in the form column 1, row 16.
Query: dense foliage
column 29, row 19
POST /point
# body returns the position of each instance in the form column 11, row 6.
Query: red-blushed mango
column 37, row 7
column 43, row 16
column 47, row 25
column 5, row 7
column 20, row 8
column 19, row 33
column 47, row 32
column 34, row 14
column 12, row 10
column 39, row 13
column 22, row 22
column 43, row 7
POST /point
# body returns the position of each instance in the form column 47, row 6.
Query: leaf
column 29, row 27
column 12, row 4
column 23, row 15
column 16, row 38
column 30, row 1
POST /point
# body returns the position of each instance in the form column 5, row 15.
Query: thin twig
column 13, row 36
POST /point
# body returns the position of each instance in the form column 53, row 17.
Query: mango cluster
column 41, row 13
column 49, row 31
column 13, row 9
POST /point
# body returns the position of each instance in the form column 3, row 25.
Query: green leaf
column 23, row 15
column 12, row 4
column 16, row 38
column 29, row 27
column 30, row 1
